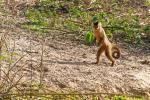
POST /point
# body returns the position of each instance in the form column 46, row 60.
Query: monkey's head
column 95, row 22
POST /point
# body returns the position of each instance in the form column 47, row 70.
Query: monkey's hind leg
column 108, row 54
column 99, row 52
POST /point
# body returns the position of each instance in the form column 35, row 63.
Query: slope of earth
column 67, row 65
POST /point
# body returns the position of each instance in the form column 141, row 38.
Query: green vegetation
column 89, row 37
column 69, row 97
column 51, row 14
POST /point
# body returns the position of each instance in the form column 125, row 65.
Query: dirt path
column 67, row 65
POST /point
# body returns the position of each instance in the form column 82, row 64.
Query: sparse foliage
column 51, row 14
column 69, row 16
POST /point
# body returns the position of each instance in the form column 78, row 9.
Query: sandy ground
column 67, row 65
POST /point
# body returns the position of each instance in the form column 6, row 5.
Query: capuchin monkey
column 112, row 52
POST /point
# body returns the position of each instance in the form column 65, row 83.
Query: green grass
column 70, row 97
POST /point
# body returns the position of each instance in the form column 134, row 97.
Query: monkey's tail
column 116, row 52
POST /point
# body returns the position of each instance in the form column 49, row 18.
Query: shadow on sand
column 70, row 62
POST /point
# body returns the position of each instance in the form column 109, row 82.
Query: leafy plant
column 148, row 2
column 89, row 37
column 146, row 28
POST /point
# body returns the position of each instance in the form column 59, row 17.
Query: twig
column 2, row 41
column 41, row 65
column 31, row 65
column 13, row 85
column 15, row 64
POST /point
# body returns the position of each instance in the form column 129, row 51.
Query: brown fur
column 111, row 51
